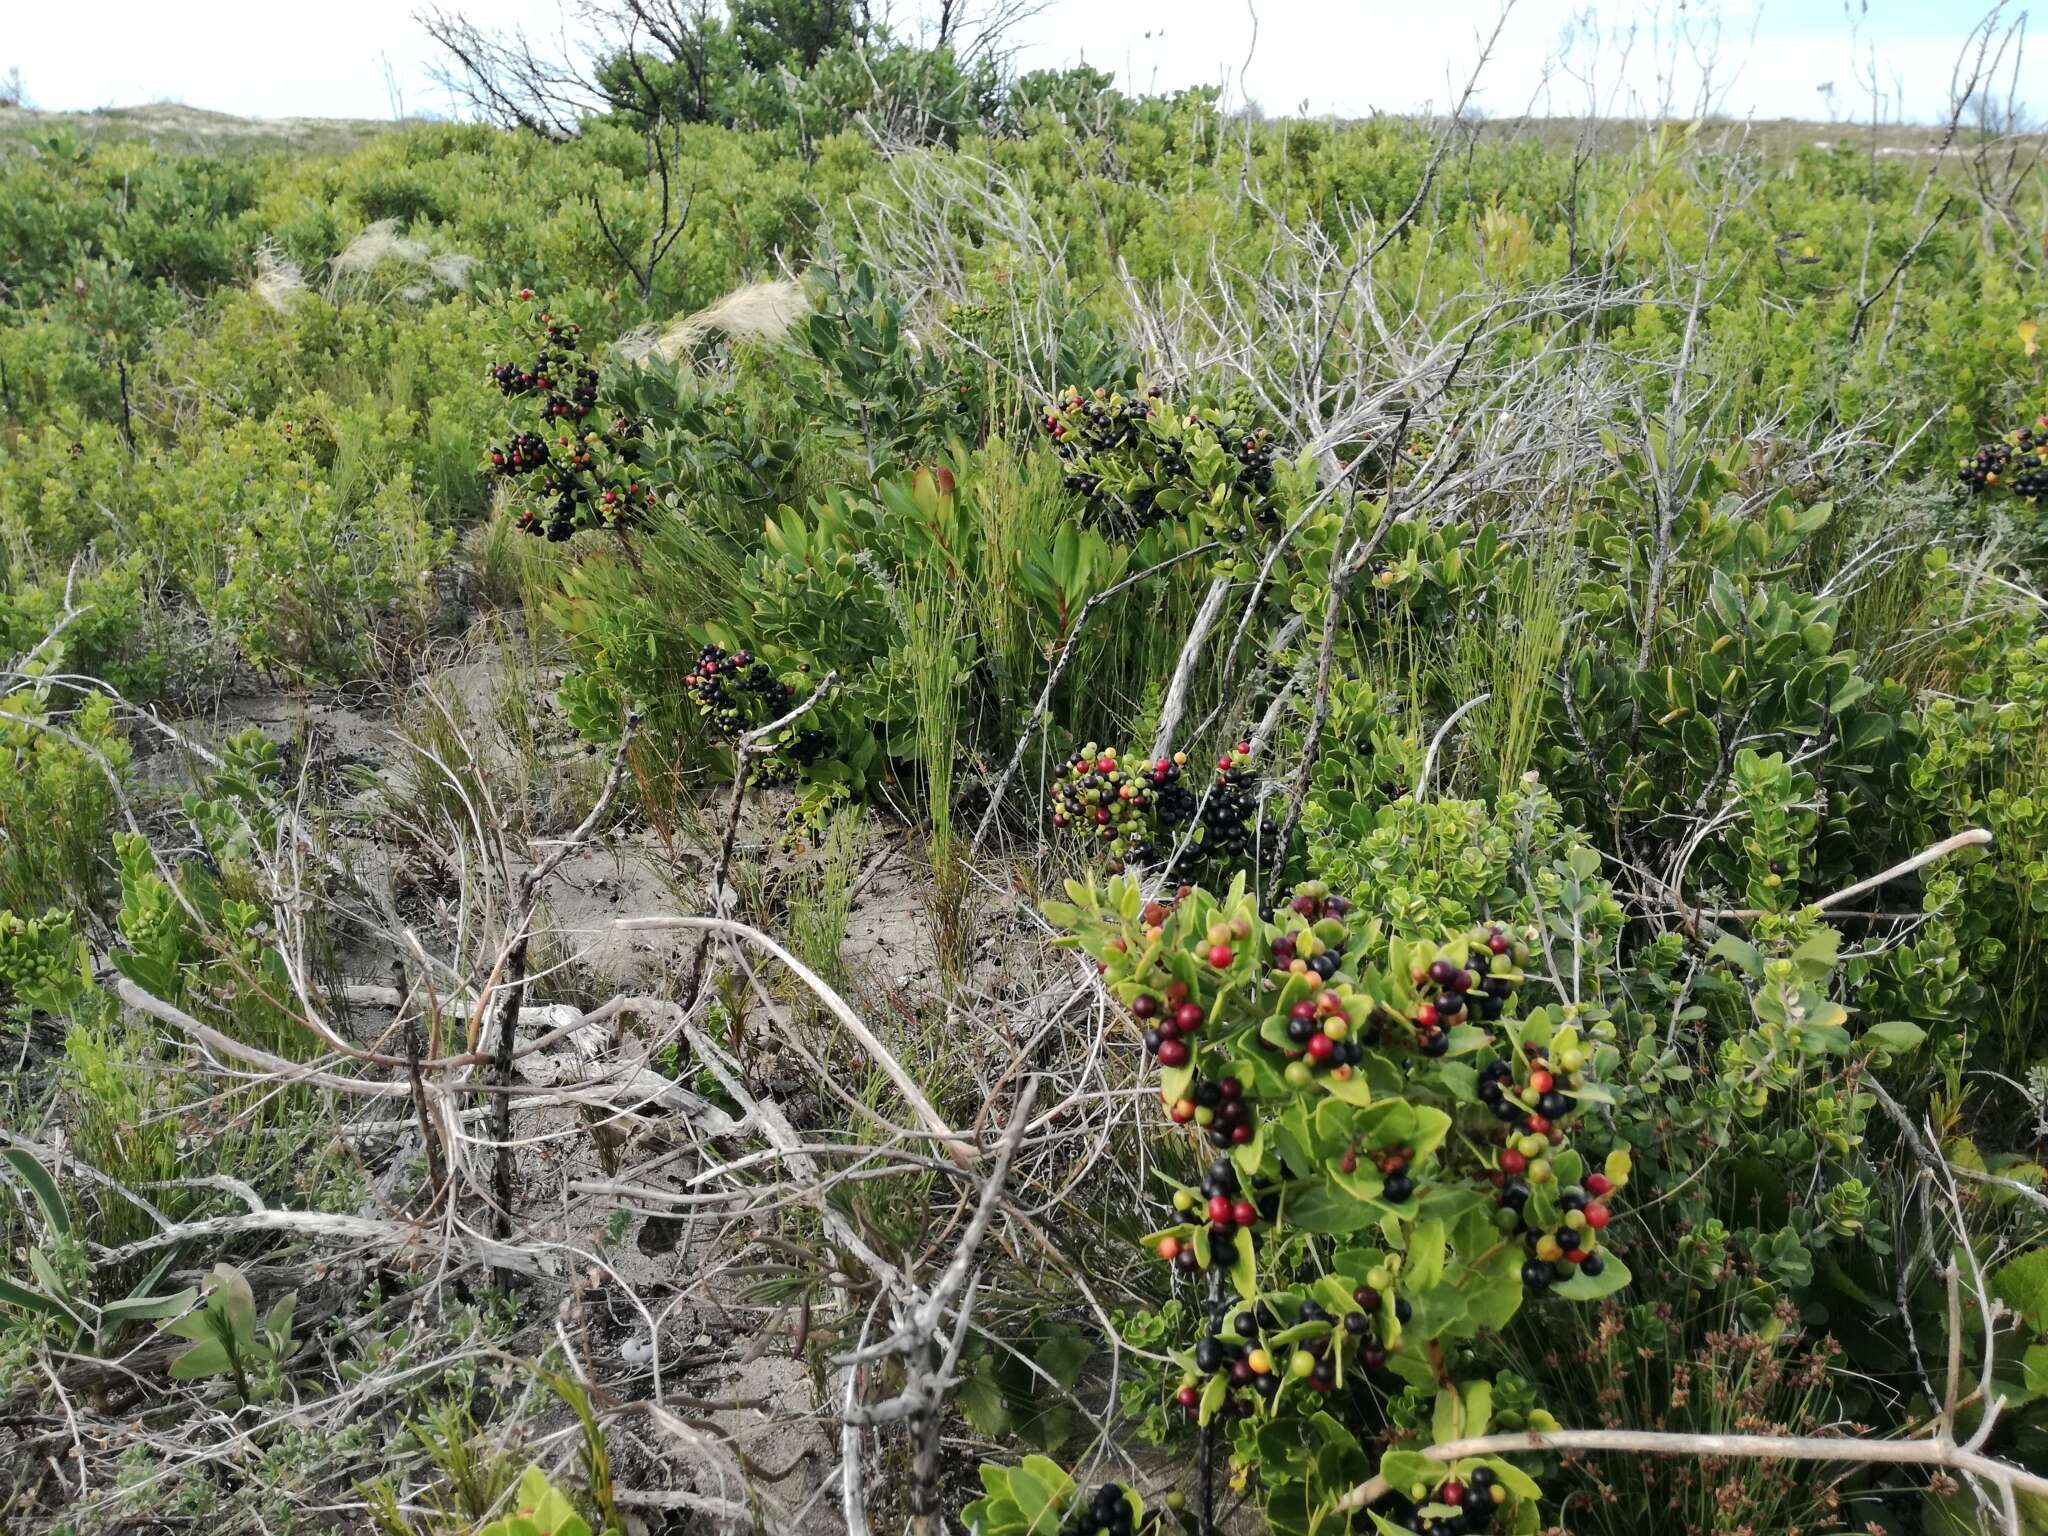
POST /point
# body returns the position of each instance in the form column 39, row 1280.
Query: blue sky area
column 1773, row 57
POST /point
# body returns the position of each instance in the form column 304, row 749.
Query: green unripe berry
column 1302, row 1363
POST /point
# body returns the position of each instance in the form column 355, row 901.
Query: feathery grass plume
column 279, row 279
column 758, row 312
column 451, row 270
column 378, row 243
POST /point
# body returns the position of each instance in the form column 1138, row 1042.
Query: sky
column 370, row 58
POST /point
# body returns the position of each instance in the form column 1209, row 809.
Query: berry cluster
column 1561, row 1236
column 1472, row 1502
column 1135, row 467
column 735, row 692
column 1107, row 1513
column 1468, row 989
column 731, row 689
column 586, row 474
column 1084, row 426
column 1222, row 1202
column 1248, row 1352
column 2018, row 462
column 1140, row 811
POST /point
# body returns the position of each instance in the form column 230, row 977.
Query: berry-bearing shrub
column 581, row 462
column 1387, row 1138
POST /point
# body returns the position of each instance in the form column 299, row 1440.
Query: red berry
column 1452, row 1493
column 1231, row 1089
column 1144, row 1006
column 1539, row 1125
column 1183, row 1111
column 1220, row 956
column 1303, row 1010
column 1188, row 1017
column 1512, row 1162
column 1597, row 1216
column 1240, row 1134
column 1219, row 1209
column 1541, row 1082
column 1173, row 1053
column 1321, row 1047
column 1598, row 1184
column 1577, row 1256
column 1427, row 1016
column 1498, row 943
column 1190, row 1399
column 1245, row 1214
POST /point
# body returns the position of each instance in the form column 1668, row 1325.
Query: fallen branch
column 958, row 1147
column 1437, row 741
column 1973, row 837
column 1184, row 669
column 1939, row 1453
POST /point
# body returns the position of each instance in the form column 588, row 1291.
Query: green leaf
column 1323, row 1207
column 1244, row 1269
column 1745, row 955
column 1895, row 1035
column 1063, row 1354
column 209, row 1357
column 1584, row 1287
column 44, row 1188
column 2023, row 1286
column 31, row 1300
column 982, row 1400
column 140, row 1309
